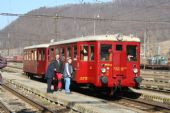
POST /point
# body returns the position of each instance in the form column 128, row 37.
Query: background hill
column 144, row 18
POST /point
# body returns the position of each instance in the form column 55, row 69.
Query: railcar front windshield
column 105, row 54
column 131, row 53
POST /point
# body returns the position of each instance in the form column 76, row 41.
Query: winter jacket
column 68, row 70
column 50, row 70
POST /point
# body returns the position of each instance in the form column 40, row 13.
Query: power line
column 82, row 18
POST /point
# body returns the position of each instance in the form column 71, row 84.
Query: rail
column 42, row 108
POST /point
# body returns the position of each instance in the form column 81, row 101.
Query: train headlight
column 103, row 70
column 135, row 70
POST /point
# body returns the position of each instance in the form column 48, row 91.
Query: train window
column 131, row 53
column 39, row 55
column 75, row 52
column 43, row 54
column 26, row 55
column 84, row 53
column 57, row 51
column 32, row 55
column 62, row 53
column 35, row 55
column 118, row 47
column 91, row 52
column 68, row 52
column 105, row 54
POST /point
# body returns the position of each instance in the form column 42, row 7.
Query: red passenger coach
column 36, row 60
column 102, row 61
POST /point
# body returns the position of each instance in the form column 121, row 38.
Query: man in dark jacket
column 50, row 75
column 58, row 74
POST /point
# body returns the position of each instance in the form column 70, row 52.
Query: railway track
column 130, row 100
column 156, row 82
column 38, row 105
column 4, row 109
column 143, row 105
column 150, row 83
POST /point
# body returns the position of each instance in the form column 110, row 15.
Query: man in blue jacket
column 67, row 73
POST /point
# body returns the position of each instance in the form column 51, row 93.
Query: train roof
column 115, row 37
column 37, row 46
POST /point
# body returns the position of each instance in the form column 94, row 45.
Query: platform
column 79, row 102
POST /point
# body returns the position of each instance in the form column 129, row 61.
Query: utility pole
column 144, row 45
column 8, row 43
column 94, row 25
column 55, row 26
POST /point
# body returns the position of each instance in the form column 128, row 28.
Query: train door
column 34, row 61
column 105, row 68
column 119, row 63
column 75, row 62
column 83, row 63
column 41, row 61
column 92, row 64
column 132, row 58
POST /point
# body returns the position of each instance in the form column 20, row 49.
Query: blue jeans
column 67, row 84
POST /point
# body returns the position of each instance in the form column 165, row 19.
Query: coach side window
column 105, row 54
column 75, row 52
column 57, row 51
column 91, row 52
column 68, row 52
column 39, row 55
column 131, row 53
column 32, row 55
column 43, row 54
column 63, row 54
column 84, row 53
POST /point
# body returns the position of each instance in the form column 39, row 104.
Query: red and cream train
column 102, row 60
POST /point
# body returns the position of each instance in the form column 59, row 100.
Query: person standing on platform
column 67, row 73
column 3, row 63
column 58, row 74
column 50, row 75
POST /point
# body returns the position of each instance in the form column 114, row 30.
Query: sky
column 24, row 6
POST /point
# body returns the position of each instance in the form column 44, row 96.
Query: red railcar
column 102, row 61
column 36, row 60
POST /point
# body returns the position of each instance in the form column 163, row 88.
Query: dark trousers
column 49, row 82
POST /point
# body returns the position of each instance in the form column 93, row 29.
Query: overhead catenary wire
column 82, row 18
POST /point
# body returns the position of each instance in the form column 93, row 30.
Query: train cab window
column 91, row 52
column 75, row 52
column 118, row 47
column 68, row 52
column 105, row 52
column 84, row 53
column 131, row 53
